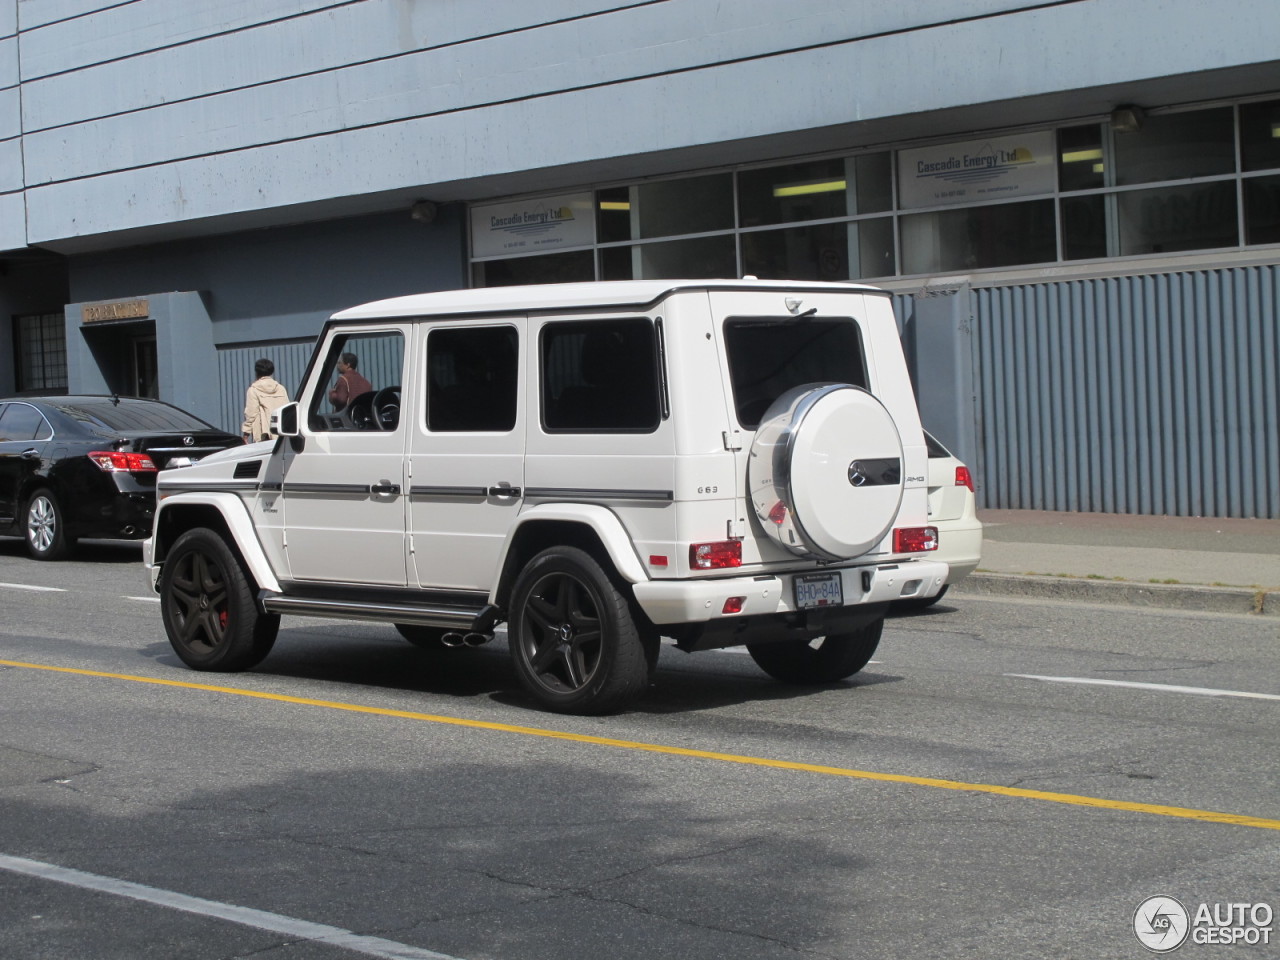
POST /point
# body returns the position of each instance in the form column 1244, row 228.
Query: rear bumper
column 702, row 601
column 959, row 547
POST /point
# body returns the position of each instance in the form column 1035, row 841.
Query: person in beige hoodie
column 263, row 396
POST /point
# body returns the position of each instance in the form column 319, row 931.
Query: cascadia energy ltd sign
column 1007, row 167
column 532, row 226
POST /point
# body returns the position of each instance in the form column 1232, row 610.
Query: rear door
column 24, row 434
column 466, row 460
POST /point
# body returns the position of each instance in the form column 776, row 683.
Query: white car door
column 466, row 457
column 343, row 478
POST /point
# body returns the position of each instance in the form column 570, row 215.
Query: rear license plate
column 818, row 590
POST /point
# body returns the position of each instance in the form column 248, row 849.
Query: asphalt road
column 355, row 796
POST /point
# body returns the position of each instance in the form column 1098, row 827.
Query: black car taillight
column 114, row 461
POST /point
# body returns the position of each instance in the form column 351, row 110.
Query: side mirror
column 284, row 420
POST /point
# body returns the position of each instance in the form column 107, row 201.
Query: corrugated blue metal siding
column 235, row 373
column 1151, row 394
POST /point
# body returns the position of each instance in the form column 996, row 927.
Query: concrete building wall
column 154, row 118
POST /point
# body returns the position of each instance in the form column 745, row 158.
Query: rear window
column 131, row 415
column 770, row 355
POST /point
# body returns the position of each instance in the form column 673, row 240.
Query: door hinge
column 736, row 529
column 732, row 439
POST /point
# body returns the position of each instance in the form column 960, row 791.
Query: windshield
column 130, row 416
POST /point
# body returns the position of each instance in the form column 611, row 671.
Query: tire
column 833, row 658
column 45, row 528
column 573, row 638
column 427, row 638
column 208, row 606
column 923, row 603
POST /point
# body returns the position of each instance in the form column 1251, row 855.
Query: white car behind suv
column 595, row 465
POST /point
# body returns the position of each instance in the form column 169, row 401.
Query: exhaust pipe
column 129, row 530
column 477, row 639
column 452, row 639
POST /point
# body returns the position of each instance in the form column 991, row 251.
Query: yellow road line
column 1071, row 799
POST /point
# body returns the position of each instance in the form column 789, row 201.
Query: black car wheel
column 208, row 606
column 824, row 661
column 46, row 528
column 573, row 637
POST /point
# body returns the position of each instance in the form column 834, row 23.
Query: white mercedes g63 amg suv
column 595, row 465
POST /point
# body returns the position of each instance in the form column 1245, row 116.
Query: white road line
column 27, row 586
column 1158, row 687
column 260, row 919
column 145, row 599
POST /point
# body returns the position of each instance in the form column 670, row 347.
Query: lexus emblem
column 856, row 476
column 188, row 441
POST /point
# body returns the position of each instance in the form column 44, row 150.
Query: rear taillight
column 112, row 461
column 715, row 556
column 915, row 539
column 964, row 478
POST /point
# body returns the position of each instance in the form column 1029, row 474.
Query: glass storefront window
column 1260, row 135
column 41, row 341
column 1080, row 163
column 979, row 238
column 547, row 268
column 819, row 252
column 697, row 258
column 818, row 190
column 665, row 208
column 1178, row 145
column 1170, row 219
column 1084, row 228
column 1262, row 210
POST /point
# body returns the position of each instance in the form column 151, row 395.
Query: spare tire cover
column 825, row 471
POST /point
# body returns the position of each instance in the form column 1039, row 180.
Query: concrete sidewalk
column 1189, row 563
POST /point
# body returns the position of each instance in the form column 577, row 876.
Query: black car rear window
column 131, row 415
column 770, row 355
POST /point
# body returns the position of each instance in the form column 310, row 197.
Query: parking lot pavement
column 1190, row 563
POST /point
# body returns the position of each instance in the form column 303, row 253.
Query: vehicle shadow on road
column 86, row 551
column 375, row 656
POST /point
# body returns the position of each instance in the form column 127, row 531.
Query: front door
column 145, row 368
column 466, row 454
column 344, row 477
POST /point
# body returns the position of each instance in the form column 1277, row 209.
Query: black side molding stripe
column 572, row 493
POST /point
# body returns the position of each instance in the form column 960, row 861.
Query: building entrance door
column 145, row 369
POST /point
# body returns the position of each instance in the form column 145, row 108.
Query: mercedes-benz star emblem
column 856, row 476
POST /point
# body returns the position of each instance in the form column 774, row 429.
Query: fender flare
column 601, row 520
column 236, row 516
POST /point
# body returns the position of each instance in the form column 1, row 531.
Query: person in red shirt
column 350, row 383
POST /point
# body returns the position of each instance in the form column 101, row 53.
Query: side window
column 770, row 355
column 600, row 376
column 359, row 369
column 21, row 421
column 472, row 376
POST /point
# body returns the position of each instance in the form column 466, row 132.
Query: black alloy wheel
column 573, row 637
column 825, row 660
column 209, row 607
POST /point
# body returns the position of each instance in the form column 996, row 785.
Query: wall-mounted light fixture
column 1127, row 119
column 424, row 211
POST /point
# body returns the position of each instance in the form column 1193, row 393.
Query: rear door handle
column 504, row 491
column 31, row 453
column 390, row 489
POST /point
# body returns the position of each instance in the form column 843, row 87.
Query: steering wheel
column 386, row 408
column 360, row 412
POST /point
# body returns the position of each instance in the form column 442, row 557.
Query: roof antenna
column 115, row 399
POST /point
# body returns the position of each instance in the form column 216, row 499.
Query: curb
column 1235, row 600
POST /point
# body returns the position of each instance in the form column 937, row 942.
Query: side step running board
column 474, row 619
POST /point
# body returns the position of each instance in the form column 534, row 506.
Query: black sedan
column 80, row 466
